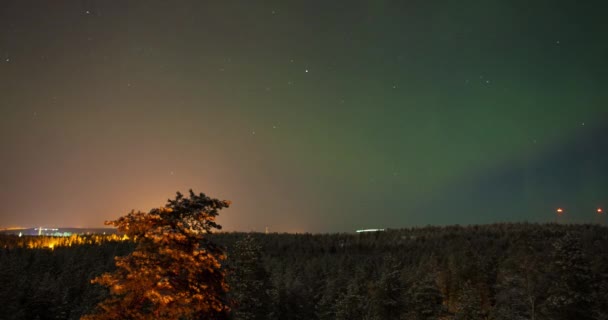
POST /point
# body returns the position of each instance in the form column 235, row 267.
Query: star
column 87, row 12
column 306, row 70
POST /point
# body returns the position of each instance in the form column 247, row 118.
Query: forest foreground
column 500, row 271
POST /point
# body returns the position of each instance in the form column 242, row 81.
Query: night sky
column 311, row 116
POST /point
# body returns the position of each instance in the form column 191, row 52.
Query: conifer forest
column 499, row 271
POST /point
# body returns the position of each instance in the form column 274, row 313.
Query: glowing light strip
column 369, row 230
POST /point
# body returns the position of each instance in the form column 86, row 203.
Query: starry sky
column 311, row 116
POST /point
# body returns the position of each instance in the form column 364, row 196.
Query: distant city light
column 52, row 232
column 369, row 230
column 560, row 211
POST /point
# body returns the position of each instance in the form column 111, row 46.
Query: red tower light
column 600, row 211
column 560, row 211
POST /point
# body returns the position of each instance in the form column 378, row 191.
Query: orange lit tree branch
column 174, row 272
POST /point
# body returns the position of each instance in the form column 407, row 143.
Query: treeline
column 53, row 283
column 502, row 271
column 52, row 242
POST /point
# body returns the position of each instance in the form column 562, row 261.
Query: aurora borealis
column 311, row 116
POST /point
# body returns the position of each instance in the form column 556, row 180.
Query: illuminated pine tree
column 174, row 272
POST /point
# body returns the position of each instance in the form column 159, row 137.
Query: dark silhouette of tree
column 249, row 282
column 174, row 272
column 570, row 295
column 522, row 282
column 353, row 304
column 387, row 296
column 425, row 298
column 326, row 308
column 511, row 298
column 469, row 303
column 293, row 301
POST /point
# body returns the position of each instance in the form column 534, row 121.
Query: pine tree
column 386, row 300
column 249, row 282
column 326, row 307
column 352, row 304
column 174, row 272
column 426, row 299
column 469, row 304
column 570, row 296
column 511, row 298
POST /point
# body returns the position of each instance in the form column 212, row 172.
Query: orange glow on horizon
column 52, row 242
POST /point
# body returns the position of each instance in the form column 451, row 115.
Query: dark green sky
column 310, row 115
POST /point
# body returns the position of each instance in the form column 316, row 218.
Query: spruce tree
column 387, row 297
column 352, row 304
column 570, row 295
column 249, row 282
column 511, row 298
column 426, row 301
column 469, row 304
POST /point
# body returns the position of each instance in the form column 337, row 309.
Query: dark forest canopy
column 500, row 271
